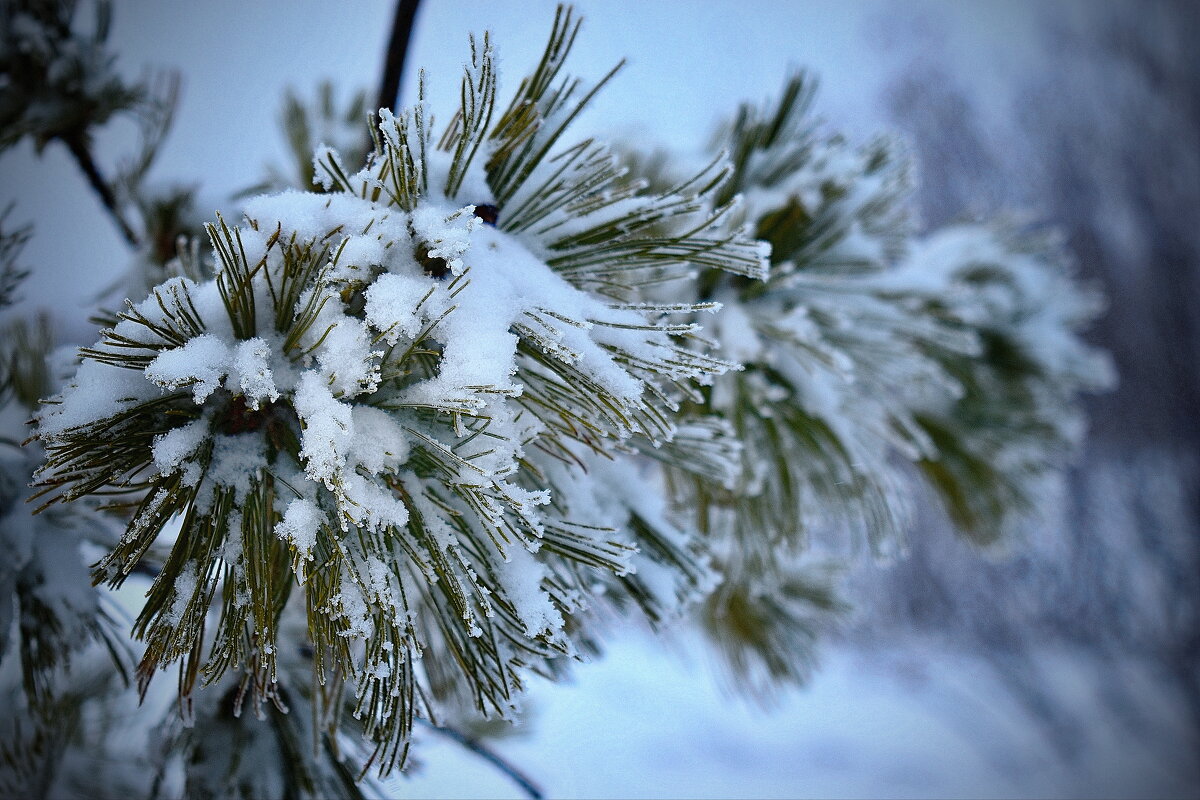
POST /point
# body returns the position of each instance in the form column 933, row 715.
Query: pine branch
column 12, row 242
column 397, row 51
column 64, row 87
column 76, row 143
column 477, row 747
column 356, row 403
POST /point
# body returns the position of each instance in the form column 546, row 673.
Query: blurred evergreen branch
column 61, row 85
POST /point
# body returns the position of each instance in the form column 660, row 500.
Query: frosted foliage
column 57, row 80
column 991, row 282
column 403, row 401
column 51, row 619
column 869, row 347
column 43, row 581
column 835, row 367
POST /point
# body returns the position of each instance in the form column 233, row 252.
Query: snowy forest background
column 1068, row 665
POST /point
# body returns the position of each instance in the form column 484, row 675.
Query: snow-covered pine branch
column 868, row 350
column 60, row 643
column 60, row 82
column 405, row 408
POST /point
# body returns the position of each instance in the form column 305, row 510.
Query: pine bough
column 393, row 448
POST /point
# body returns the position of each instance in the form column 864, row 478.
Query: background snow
column 923, row 712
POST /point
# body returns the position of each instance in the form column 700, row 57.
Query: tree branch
column 487, row 754
column 83, row 156
column 397, row 50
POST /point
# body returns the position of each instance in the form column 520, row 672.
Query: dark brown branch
column 397, row 50
column 83, row 157
column 487, row 754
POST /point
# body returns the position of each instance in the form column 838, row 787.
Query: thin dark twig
column 487, row 754
column 83, row 157
column 397, row 50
